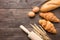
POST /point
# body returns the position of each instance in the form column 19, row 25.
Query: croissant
column 47, row 25
column 50, row 5
column 49, row 16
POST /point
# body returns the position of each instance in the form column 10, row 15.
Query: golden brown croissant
column 50, row 5
column 48, row 26
column 49, row 16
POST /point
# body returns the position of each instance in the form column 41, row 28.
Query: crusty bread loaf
column 50, row 5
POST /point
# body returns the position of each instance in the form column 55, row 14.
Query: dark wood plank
column 20, row 3
column 12, row 34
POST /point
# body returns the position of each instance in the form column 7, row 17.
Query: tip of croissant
column 58, row 20
column 41, row 20
column 54, row 31
column 41, row 14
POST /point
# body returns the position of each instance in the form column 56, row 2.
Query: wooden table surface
column 13, row 13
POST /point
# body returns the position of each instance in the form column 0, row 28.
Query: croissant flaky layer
column 47, row 25
column 50, row 5
column 49, row 16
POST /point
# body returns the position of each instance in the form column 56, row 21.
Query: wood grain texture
column 20, row 3
column 13, row 13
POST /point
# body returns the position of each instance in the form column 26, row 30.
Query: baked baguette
column 49, row 16
column 47, row 25
column 50, row 5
